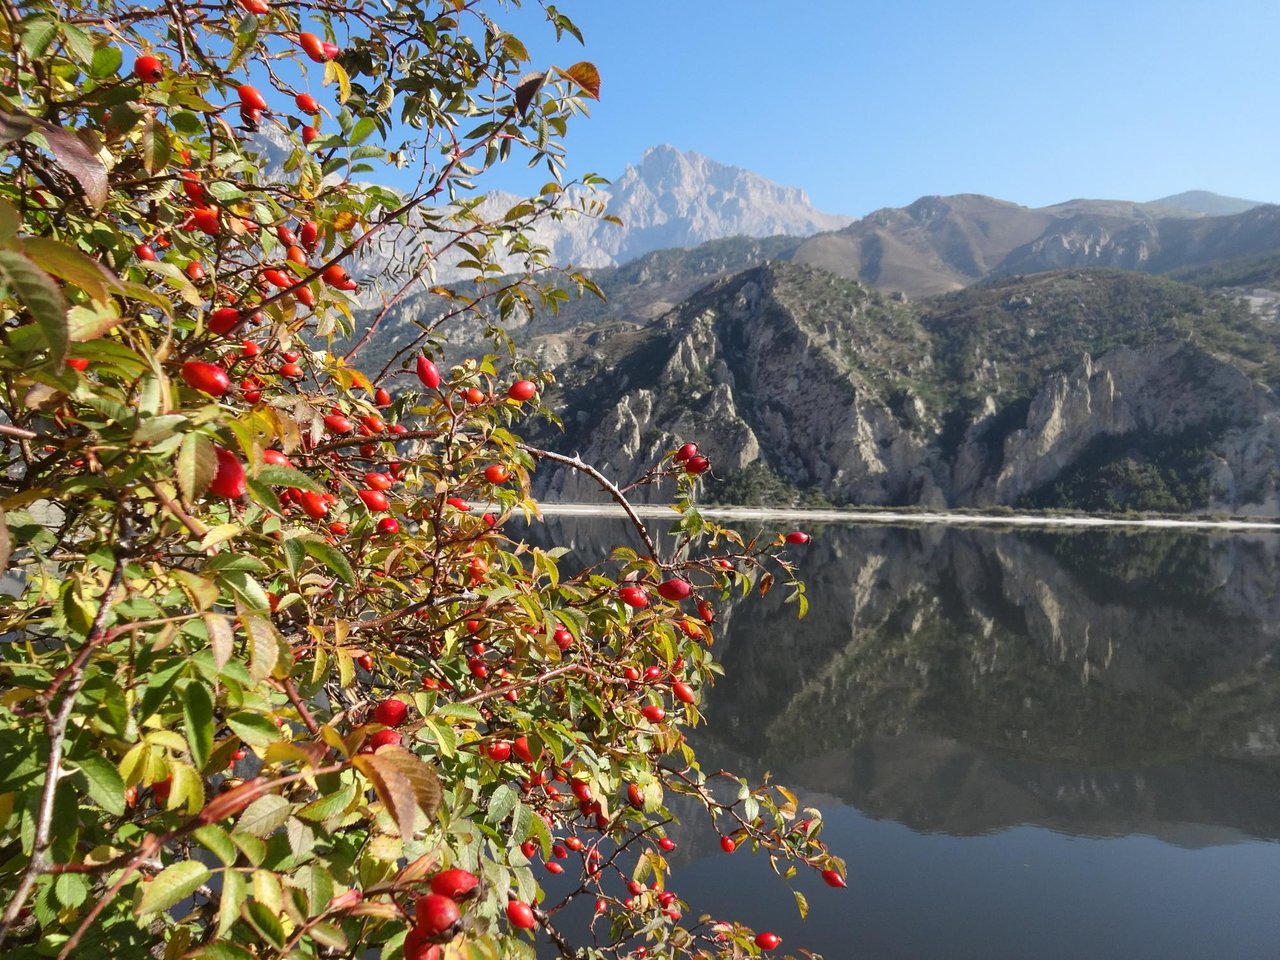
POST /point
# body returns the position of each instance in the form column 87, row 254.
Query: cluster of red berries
column 694, row 462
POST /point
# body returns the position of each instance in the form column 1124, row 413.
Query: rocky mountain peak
column 675, row 198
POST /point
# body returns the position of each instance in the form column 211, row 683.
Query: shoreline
column 923, row 518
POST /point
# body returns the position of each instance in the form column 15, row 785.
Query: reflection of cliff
column 964, row 680
column 938, row 785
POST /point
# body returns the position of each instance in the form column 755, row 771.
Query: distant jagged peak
column 667, row 167
column 678, row 199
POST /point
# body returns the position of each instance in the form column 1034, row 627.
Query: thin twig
column 607, row 485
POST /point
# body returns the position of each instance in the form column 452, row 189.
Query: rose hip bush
column 278, row 679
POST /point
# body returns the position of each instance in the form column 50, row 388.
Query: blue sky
column 866, row 105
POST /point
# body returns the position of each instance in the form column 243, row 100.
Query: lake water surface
column 1027, row 744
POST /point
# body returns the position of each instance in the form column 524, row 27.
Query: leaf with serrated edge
column 75, row 157
column 393, row 789
column 106, row 787
column 332, row 558
column 42, row 298
column 234, row 891
column 218, row 842
column 197, row 463
column 264, row 816
column 586, row 76
column 197, row 713
column 172, row 885
column 70, row 265
column 221, row 638
column 422, row 778
column 527, row 88
column 264, row 646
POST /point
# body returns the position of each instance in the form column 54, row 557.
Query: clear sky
column 872, row 104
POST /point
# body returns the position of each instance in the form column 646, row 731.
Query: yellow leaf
column 393, row 789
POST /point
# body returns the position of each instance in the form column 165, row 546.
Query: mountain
column 681, row 199
column 1084, row 389
column 1207, row 203
column 940, row 244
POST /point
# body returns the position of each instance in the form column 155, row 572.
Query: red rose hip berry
column 437, row 917
column 675, row 589
column 148, row 69
column 207, row 377
column 391, row 713
column 522, row 390
column 456, row 884
column 228, row 479
column 520, row 915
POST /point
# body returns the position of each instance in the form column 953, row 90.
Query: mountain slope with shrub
column 941, row 244
column 1084, row 389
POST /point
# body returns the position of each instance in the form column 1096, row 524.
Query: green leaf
column 330, row 935
column 197, row 463
column 86, row 323
column 79, row 43
column 263, row 494
column 234, row 892
column 317, row 883
column 802, row 904
column 329, row 805
column 221, row 638
column 362, row 131
column 106, row 61
column 226, row 192
column 225, row 949
column 71, row 889
column 197, row 711
column 172, row 885
column 37, row 34
column 10, row 221
column 264, row 816
column 187, row 787
column 264, row 645
column 42, row 298
column 278, row 475
column 293, row 556
column 155, row 145
column 218, row 842
column 522, row 822
column 5, row 543
column 70, row 265
column 253, row 729
column 105, row 786
column 332, row 558
column 501, row 804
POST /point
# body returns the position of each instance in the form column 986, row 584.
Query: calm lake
column 1028, row 745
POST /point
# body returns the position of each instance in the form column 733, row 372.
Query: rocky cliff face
column 836, row 389
column 742, row 370
column 1165, row 389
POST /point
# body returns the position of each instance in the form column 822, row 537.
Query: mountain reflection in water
column 1095, row 714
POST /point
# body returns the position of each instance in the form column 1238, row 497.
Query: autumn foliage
column 280, row 674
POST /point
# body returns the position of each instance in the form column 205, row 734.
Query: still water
column 1027, row 744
